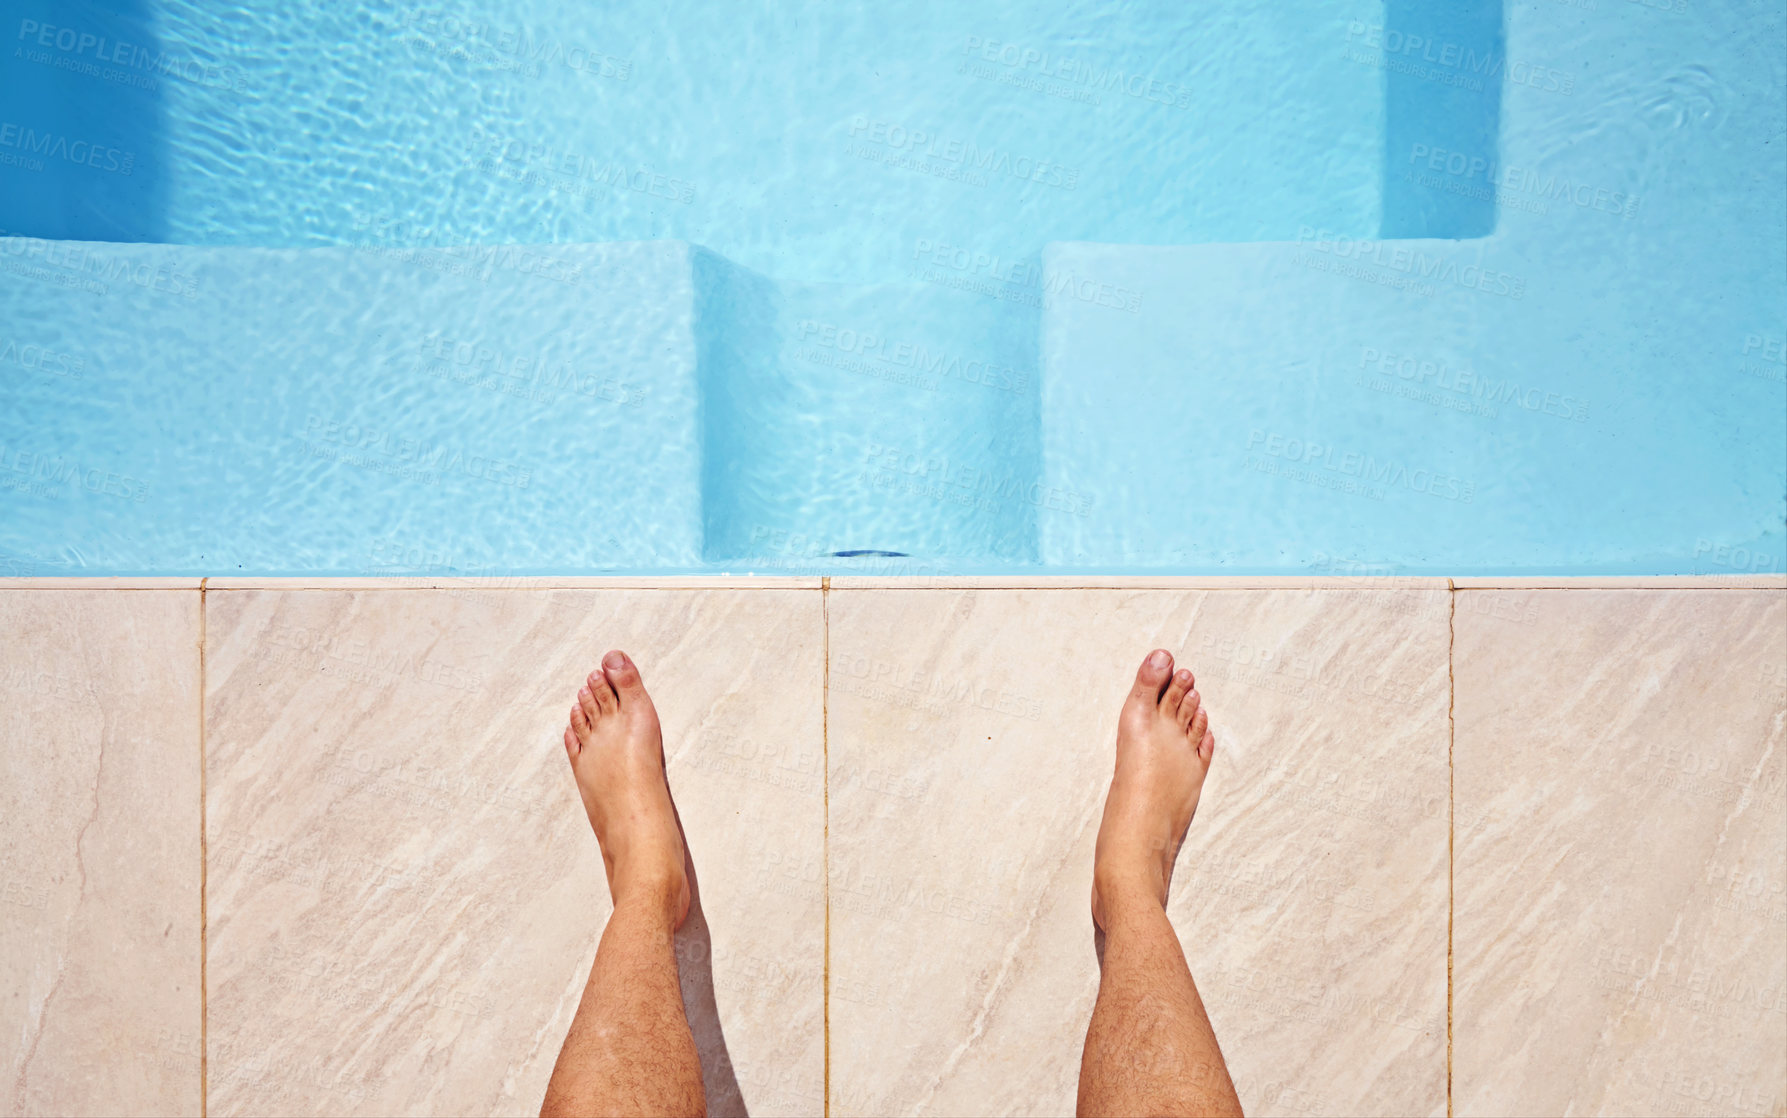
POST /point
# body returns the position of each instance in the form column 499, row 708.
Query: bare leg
column 629, row 1050
column 1150, row 1048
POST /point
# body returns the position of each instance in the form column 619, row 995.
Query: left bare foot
column 1164, row 748
column 617, row 755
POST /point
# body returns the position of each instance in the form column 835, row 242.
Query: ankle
column 656, row 893
column 1127, row 885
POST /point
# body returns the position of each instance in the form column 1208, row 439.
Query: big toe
column 623, row 676
column 1152, row 677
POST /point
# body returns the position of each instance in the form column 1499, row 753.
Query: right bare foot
column 617, row 756
column 1164, row 747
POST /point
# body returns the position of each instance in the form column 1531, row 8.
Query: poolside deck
column 301, row 846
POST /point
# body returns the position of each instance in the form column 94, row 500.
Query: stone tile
column 970, row 738
column 404, row 894
column 99, row 852
column 1621, row 932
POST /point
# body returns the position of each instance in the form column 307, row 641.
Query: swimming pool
column 511, row 288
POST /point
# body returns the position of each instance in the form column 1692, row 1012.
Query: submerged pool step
column 1356, row 406
column 1365, row 407
column 477, row 410
column 480, row 410
column 842, row 420
column 1233, row 417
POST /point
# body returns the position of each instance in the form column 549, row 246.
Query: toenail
column 614, row 661
column 1184, row 678
column 584, row 693
column 1158, row 659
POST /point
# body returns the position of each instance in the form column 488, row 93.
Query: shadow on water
column 695, row 970
column 868, row 421
column 82, row 133
column 1444, row 71
column 749, row 410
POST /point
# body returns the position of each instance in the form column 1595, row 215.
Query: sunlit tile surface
column 99, row 852
column 1621, row 939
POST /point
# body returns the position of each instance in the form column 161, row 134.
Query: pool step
column 1362, row 407
column 456, row 411
column 507, row 409
column 1233, row 418
column 655, row 406
column 854, row 418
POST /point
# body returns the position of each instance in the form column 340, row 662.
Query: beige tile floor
column 1621, row 935
column 404, row 896
column 971, row 736
column 1578, row 792
column 100, row 920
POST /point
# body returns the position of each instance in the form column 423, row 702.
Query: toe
column 571, row 745
column 1188, row 709
column 1169, row 702
column 1151, row 678
column 589, row 708
column 597, row 685
column 1207, row 747
column 1200, row 725
column 624, row 677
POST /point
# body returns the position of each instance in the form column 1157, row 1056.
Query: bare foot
column 1164, row 746
column 617, row 756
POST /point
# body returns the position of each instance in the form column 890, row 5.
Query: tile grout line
column 1451, row 816
column 204, row 859
column 825, row 842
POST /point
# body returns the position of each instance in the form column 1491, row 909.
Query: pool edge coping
column 487, row 584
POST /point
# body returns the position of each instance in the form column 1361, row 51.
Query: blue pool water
column 1359, row 286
